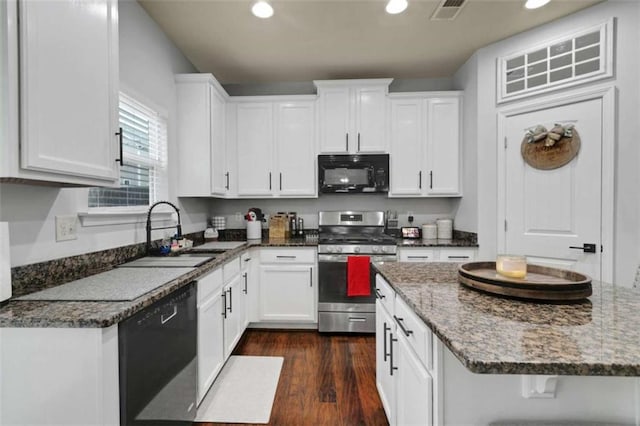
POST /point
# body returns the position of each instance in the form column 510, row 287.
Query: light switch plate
column 66, row 228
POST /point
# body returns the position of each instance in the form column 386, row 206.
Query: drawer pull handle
column 357, row 319
column 286, row 257
column 391, row 367
column 458, row 257
column 384, row 349
column 401, row 325
column 417, row 257
column 380, row 295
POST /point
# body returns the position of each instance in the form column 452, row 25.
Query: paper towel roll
column 5, row 262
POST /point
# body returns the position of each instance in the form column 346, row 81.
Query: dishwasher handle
column 164, row 320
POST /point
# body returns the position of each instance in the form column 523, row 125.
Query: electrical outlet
column 66, row 228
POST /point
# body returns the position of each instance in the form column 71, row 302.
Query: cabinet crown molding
column 353, row 82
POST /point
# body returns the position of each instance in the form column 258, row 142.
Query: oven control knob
column 356, row 249
column 338, row 249
column 375, row 249
column 384, row 249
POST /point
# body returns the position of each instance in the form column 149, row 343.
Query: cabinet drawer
column 231, row 269
column 244, row 259
column 416, row 332
column 457, row 255
column 209, row 284
column 385, row 294
column 287, row 255
column 417, row 255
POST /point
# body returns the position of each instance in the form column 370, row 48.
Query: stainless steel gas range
column 342, row 235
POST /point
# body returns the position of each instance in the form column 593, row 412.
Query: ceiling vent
column 448, row 10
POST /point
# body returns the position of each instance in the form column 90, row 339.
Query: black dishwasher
column 157, row 360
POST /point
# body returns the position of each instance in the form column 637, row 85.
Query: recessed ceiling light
column 534, row 4
column 262, row 9
column 396, row 6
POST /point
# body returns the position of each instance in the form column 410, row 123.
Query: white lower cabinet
column 403, row 361
column 221, row 320
column 210, row 331
column 384, row 378
column 414, row 399
column 437, row 254
column 288, row 289
column 235, row 314
column 235, row 301
column 249, row 270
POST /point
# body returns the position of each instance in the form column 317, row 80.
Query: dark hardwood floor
column 325, row 379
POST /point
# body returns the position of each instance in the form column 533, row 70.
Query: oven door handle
column 342, row 258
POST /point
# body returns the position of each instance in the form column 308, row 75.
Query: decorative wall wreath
column 550, row 149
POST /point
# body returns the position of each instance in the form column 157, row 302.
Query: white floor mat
column 243, row 392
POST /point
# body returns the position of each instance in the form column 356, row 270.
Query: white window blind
column 143, row 176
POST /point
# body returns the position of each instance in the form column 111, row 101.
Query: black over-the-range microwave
column 353, row 173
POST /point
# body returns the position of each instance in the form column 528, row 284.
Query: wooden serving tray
column 541, row 282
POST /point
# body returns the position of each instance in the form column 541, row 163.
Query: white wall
column 626, row 80
column 148, row 61
column 424, row 210
column 466, row 79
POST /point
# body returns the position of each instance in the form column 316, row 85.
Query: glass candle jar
column 512, row 266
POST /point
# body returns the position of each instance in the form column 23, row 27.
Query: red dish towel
column 358, row 278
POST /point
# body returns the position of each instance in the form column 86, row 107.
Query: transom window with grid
column 143, row 174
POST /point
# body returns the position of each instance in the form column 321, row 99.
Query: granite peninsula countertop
column 490, row 334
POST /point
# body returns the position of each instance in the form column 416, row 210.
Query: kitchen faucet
column 149, row 228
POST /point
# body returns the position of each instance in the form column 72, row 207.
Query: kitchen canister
column 445, row 229
column 219, row 222
column 254, row 230
column 429, row 231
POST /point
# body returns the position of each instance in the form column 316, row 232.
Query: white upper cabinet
column 425, row 144
column 443, row 146
column 353, row 116
column 68, row 93
column 254, row 143
column 295, row 143
column 274, row 145
column 407, row 147
column 201, row 140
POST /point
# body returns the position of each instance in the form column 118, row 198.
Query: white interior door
column 548, row 212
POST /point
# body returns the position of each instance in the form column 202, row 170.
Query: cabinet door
column 408, row 254
column 335, row 120
column 235, row 311
column 210, row 339
column 194, row 133
column 384, row 380
column 287, row 293
column 370, row 119
column 254, row 133
column 69, row 88
column 250, row 277
column 414, row 388
column 219, row 172
column 407, row 148
column 295, row 142
column 457, row 255
column 443, row 146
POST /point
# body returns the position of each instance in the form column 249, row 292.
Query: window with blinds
column 143, row 175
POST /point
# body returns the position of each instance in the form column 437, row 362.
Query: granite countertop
column 496, row 335
column 71, row 314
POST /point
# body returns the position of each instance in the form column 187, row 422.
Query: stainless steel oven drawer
column 352, row 322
